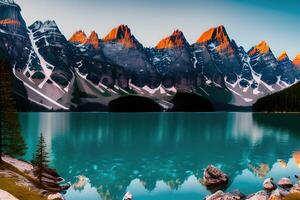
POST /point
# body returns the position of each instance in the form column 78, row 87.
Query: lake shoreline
column 18, row 175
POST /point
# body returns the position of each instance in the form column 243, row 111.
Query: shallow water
column 161, row 156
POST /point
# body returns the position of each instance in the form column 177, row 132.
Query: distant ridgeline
column 284, row 101
column 86, row 73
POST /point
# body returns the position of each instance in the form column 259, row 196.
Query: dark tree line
column 11, row 140
column 287, row 100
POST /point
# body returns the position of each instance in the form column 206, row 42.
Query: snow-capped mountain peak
column 9, row 3
column 46, row 26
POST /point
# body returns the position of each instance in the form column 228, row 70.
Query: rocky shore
column 215, row 180
column 23, row 175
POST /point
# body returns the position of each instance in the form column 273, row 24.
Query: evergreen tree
column 40, row 159
column 11, row 141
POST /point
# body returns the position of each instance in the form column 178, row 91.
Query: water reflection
column 163, row 155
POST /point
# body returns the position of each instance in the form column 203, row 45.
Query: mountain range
column 64, row 74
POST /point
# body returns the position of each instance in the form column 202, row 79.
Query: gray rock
column 269, row 184
column 214, row 178
column 285, row 183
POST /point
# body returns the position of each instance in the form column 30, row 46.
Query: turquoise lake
column 162, row 156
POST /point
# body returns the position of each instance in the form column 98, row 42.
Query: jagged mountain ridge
column 61, row 74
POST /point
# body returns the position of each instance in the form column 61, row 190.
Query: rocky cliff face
column 122, row 35
column 172, row 58
column 286, row 69
column 79, row 37
column 121, row 48
column 175, row 40
column 93, row 40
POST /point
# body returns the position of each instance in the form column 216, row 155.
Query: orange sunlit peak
column 296, row 61
column 283, row 56
column 122, row 35
column 261, row 48
column 79, row 37
column 218, row 33
column 177, row 39
column 93, row 39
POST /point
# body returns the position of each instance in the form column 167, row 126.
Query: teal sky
column 247, row 21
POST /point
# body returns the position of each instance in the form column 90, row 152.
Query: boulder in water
column 269, row 185
column 285, row 183
column 214, row 178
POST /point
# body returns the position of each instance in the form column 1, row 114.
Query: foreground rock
column 278, row 194
column 285, row 183
column 6, row 196
column 220, row 195
column 269, row 185
column 50, row 186
column 296, row 188
column 261, row 195
column 214, row 178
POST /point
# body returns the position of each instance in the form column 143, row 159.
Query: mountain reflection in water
column 163, row 155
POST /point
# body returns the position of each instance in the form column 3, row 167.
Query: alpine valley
column 87, row 73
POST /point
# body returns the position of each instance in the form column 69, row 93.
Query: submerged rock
column 80, row 183
column 220, row 195
column 214, row 178
column 261, row 195
column 269, row 185
column 285, row 183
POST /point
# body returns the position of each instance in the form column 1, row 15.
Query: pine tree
column 11, row 141
column 40, row 159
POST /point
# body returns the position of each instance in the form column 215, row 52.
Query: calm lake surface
column 162, row 156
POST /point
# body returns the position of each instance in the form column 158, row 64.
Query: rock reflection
column 80, row 183
column 296, row 157
column 260, row 171
column 282, row 163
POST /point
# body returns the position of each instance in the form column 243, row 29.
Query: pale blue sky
column 247, row 21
